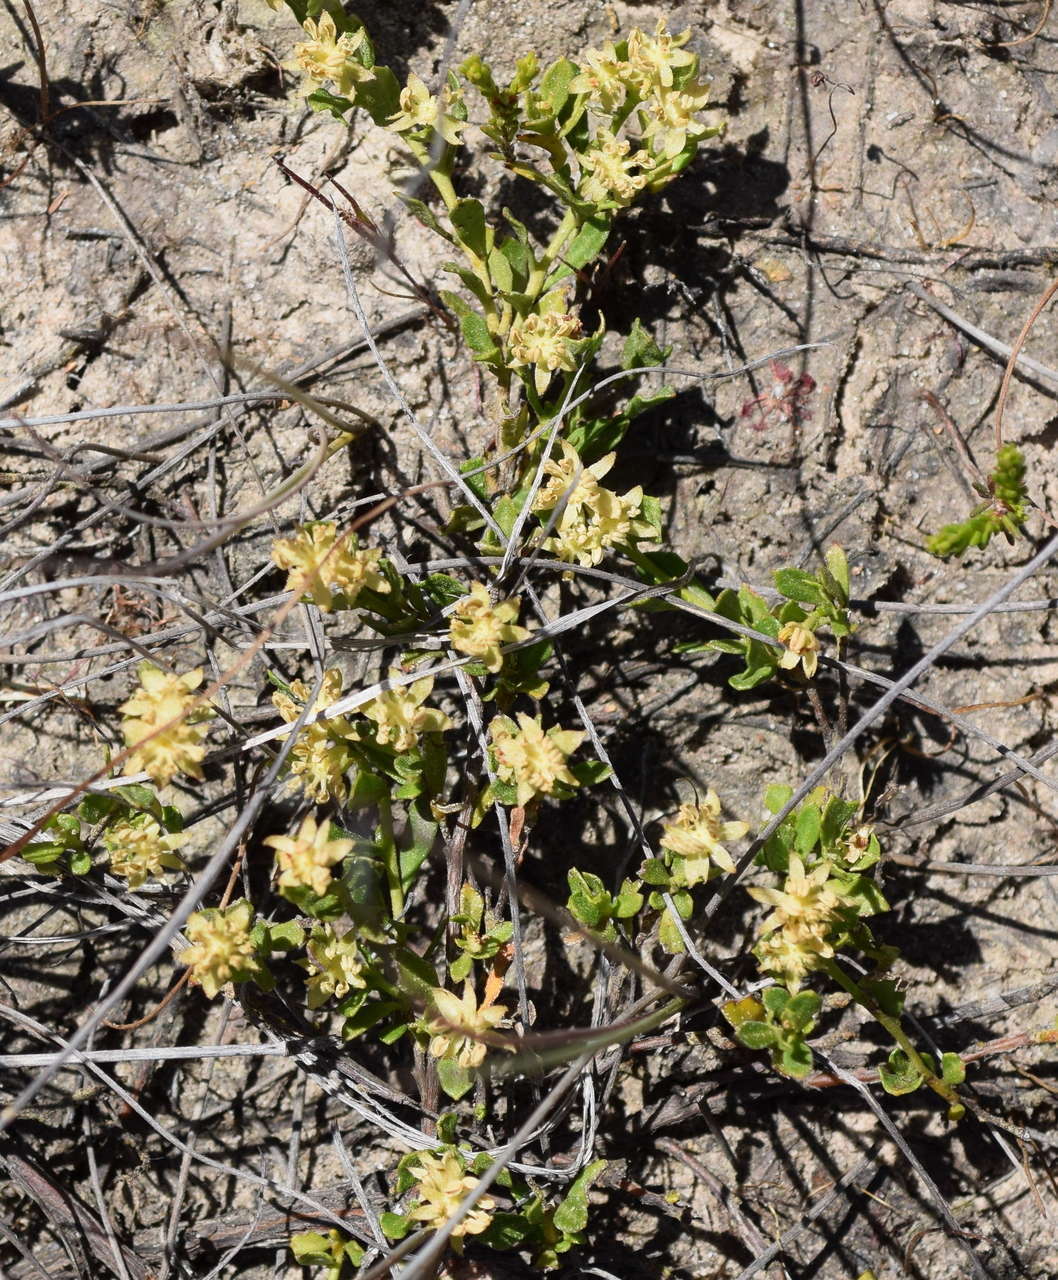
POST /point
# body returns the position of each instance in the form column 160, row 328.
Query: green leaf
column 796, row 1059
column 588, row 243
column 478, row 483
column 367, row 1016
column 418, row 209
column 454, row 1079
column 838, row 574
column 80, row 862
column 422, row 827
column 417, row 976
column 809, row 825
column 506, row 512
column 506, row 1231
column 886, row 995
column 519, row 259
column 471, row 282
column 869, row 898
column 777, row 797
column 655, row 871
column 379, row 96
column 500, row 271
column 629, row 900
column 41, row 853
column 952, row 1068
column 477, row 336
column 311, row 1249
column 590, row 773
column 650, row 511
column 283, row 936
column 640, row 350
column 555, row 82
column 751, row 677
column 520, row 230
column 837, row 814
column 394, row 1225
column 775, row 1000
column 795, row 584
column 94, row 809
column 669, row 936
column 458, row 306
column 468, row 219
column 571, row 1216
column 323, row 100
column 757, row 1035
column 898, row 1076
column 802, row 1010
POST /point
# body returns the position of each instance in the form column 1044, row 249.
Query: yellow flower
column 479, row 627
column 460, row 1029
column 668, row 118
column 400, row 716
column 698, row 837
column 610, row 521
column 419, row 109
column 331, row 576
column 801, row 647
column 336, row 962
column 442, row 1184
column 605, row 77
column 584, row 492
column 806, row 900
column 162, row 698
column 652, row 59
column 530, row 758
column 139, row 848
column 221, row 950
column 320, row 758
column 593, row 517
column 789, row 956
column 609, row 170
column 544, row 341
column 802, row 928
column 306, row 859
column 326, row 55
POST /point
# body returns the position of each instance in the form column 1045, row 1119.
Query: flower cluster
column 334, row 965
column 810, row 910
column 321, row 756
column 162, row 722
column 613, row 173
column 698, row 838
column 442, row 1182
column 531, row 759
column 139, row 848
column 479, row 627
column 221, row 949
column 306, row 859
column 420, row 111
column 592, row 518
column 328, row 55
column 460, row 1029
column 546, row 342
column 657, row 76
column 399, row 716
column 329, row 571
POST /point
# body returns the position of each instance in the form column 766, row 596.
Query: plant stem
column 895, row 1029
column 555, row 246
